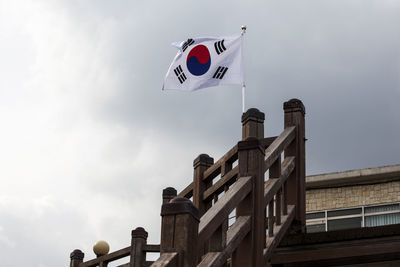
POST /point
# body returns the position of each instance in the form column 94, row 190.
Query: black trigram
column 188, row 43
column 219, row 47
column 179, row 73
column 219, row 74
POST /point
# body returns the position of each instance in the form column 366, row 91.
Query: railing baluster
column 271, row 218
column 284, row 193
column 278, row 210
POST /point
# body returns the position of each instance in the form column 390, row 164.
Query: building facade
column 353, row 199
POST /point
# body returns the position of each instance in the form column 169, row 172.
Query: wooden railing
column 197, row 232
column 136, row 253
column 266, row 209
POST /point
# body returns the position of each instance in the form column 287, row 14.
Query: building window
column 350, row 218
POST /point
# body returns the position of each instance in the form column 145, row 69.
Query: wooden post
column 251, row 160
column 168, row 194
column 296, row 190
column 138, row 242
column 76, row 258
column 200, row 164
column 179, row 230
column 253, row 124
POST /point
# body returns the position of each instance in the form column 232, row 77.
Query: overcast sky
column 88, row 140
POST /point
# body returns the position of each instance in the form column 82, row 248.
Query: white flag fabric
column 204, row 62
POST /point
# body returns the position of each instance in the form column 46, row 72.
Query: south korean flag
column 204, row 62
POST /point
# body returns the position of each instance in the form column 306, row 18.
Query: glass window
column 315, row 215
column 335, row 213
column 348, row 223
column 315, row 228
column 384, row 219
column 381, row 208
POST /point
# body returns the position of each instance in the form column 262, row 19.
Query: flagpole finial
column 244, row 28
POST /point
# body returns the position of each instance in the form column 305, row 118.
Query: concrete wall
column 352, row 196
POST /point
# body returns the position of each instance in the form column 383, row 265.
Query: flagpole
column 243, row 85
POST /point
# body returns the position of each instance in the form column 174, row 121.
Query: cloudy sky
column 88, row 140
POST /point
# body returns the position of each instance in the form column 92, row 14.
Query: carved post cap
column 250, row 143
column 139, row 232
column 169, row 193
column 77, row 254
column 253, row 114
column 180, row 205
column 294, row 105
column 203, row 159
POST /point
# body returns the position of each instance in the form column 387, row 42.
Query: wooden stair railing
column 197, row 233
column 265, row 210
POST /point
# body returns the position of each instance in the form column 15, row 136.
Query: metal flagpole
column 243, row 85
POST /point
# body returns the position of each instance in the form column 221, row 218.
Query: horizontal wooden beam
column 335, row 250
column 151, row 248
column 214, row 170
column 276, row 148
column 220, row 211
column 272, row 185
column 279, row 232
column 235, row 235
column 218, row 187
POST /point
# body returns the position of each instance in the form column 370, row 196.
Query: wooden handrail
column 119, row 254
column 214, row 217
column 279, row 232
column 218, row 187
column 278, row 145
column 167, row 260
column 272, row 186
column 187, row 192
column 116, row 255
column 267, row 141
column 235, row 235
column 151, row 248
column 215, row 169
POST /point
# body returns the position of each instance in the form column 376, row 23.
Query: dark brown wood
column 279, row 232
column 215, row 216
column 215, row 169
column 284, row 199
column 187, row 192
column 182, row 218
column 278, row 206
column 294, row 112
column 334, row 250
column 151, row 248
column 271, row 218
column 251, row 160
column 277, row 147
column 273, row 185
column 235, row 235
column 267, row 141
column 169, row 259
column 138, row 243
column 168, row 194
column 200, row 164
column 76, row 257
column 116, row 255
column 218, row 187
column 253, row 124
